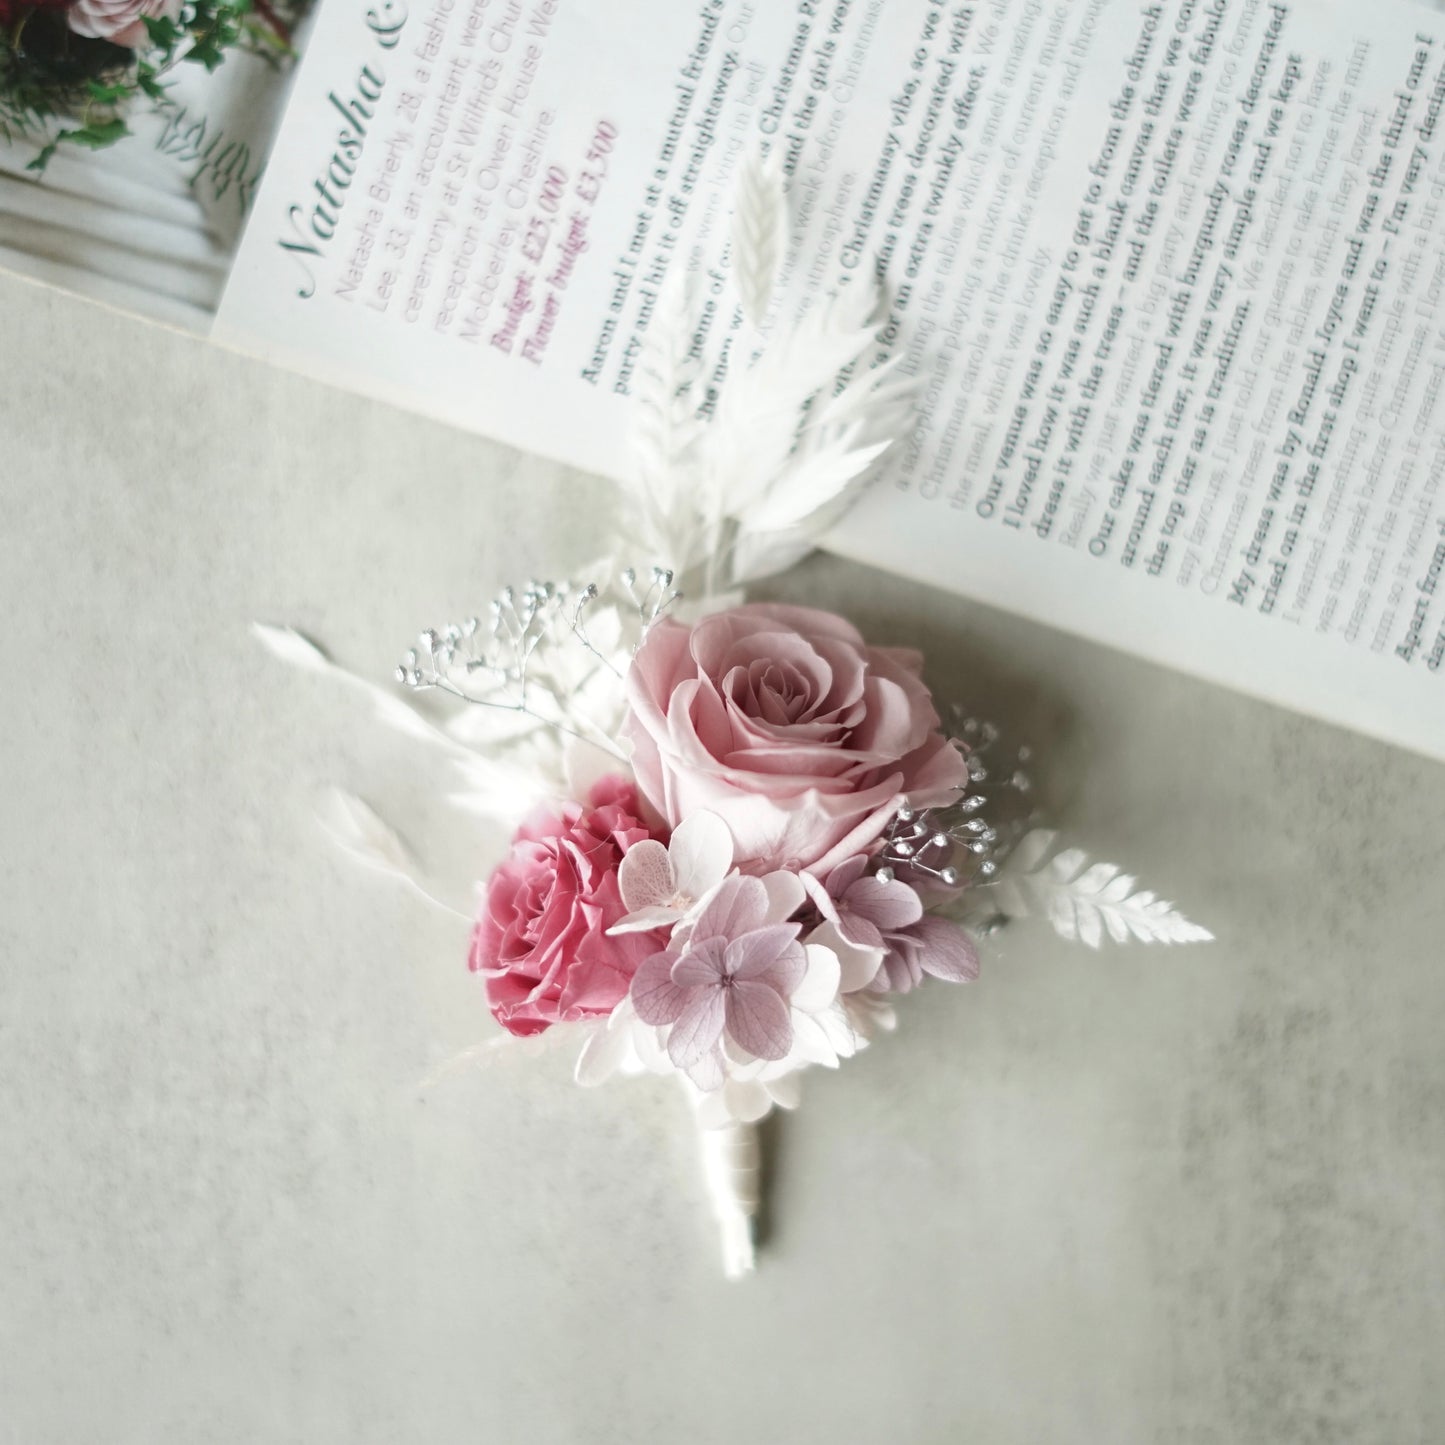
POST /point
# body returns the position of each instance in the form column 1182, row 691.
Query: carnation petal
column 758, row 1019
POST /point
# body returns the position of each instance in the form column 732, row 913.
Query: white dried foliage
column 355, row 828
column 1084, row 901
column 291, row 646
column 505, row 1048
column 545, row 666
column 666, row 427
column 759, row 231
column 762, row 419
column 299, row 651
column 736, row 486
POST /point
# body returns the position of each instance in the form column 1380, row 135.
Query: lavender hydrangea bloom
column 933, row 946
column 732, row 977
column 885, row 941
column 861, row 905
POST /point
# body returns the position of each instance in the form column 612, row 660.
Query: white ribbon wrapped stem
column 732, row 1163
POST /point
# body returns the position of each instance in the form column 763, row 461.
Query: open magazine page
column 1169, row 277
column 1183, row 373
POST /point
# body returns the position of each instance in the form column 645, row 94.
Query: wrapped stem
column 732, row 1164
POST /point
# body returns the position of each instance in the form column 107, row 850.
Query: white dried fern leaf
column 1084, row 901
column 759, row 231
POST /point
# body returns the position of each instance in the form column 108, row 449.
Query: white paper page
column 1133, row 316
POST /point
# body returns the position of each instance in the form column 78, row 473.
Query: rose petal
column 758, row 1019
column 936, row 772
column 591, row 986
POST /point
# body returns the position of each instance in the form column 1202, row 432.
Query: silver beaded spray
column 964, row 841
column 502, row 656
column 536, row 654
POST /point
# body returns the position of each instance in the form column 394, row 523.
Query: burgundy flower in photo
column 122, row 22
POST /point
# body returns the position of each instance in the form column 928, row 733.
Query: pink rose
column 783, row 722
column 122, row 22
column 541, row 938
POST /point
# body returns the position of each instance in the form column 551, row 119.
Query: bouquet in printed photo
column 72, row 72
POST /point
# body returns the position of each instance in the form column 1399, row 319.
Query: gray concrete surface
column 1147, row 1196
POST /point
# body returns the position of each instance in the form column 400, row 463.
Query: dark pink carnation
column 541, row 937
